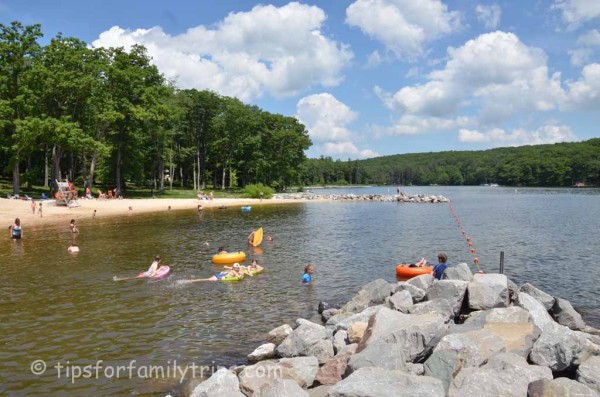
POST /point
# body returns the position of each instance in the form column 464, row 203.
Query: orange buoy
column 472, row 250
column 476, row 260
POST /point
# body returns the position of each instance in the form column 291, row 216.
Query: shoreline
column 12, row 208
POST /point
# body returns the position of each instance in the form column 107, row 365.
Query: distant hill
column 560, row 164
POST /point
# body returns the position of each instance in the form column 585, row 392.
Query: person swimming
column 153, row 267
column 307, row 277
column 235, row 272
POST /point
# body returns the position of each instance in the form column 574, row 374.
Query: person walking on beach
column 40, row 210
column 440, row 268
column 16, row 232
column 309, row 270
column 33, row 207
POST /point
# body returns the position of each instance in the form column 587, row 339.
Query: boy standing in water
column 40, row 210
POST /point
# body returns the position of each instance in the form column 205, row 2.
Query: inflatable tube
column 405, row 272
column 162, row 271
column 229, row 278
column 255, row 272
column 231, row 257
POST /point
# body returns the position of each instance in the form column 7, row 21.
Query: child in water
column 309, row 270
column 16, row 232
column 153, row 267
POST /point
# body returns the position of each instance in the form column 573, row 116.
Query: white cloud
column 584, row 94
column 519, row 136
column 495, row 75
column 590, row 39
column 403, row 26
column 326, row 119
column 414, row 125
column 576, row 12
column 489, row 15
column 281, row 51
column 580, row 56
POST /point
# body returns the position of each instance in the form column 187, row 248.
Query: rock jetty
column 467, row 335
column 401, row 198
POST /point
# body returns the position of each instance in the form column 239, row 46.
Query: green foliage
column 254, row 191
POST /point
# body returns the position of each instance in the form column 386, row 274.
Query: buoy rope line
column 464, row 232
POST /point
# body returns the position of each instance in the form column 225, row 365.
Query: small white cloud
column 326, row 119
column 590, row 39
column 584, row 94
column 489, row 15
column 281, row 51
column 374, row 59
column 415, row 125
column 519, row 136
column 471, row 136
column 403, row 26
column 580, row 56
column 576, row 12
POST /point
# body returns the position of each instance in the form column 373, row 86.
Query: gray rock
column 332, row 371
column 377, row 382
column 381, row 355
column 451, row 290
column 459, row 272
column 439, row 306
column 538, row 312
column 422, row 282
column 415, row 369
column 309, row 339
column 328, row 313
column 262, row 353
column 416, row 333
column 281, row 388
column 417, row 293
column 277, row 335
column 561, row 348
column 512, row 324
column 301, row 370
column 588, row 373
column 345, row 320
column 457, row 351
column 488, row 291
column 340, row 340
column 513, row 291
column 506, row 374
column 541, row 296
column 400, row 301
column 560, row 387
column 320, row 391
column 351, row 348
column 373, row 293
column 222, row 383
column 564, row 314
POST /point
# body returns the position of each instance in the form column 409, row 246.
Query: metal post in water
column 501, row 262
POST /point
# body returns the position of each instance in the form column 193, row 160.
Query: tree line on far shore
column 106, row 115
column 560, row 164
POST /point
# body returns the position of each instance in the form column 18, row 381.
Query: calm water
column 68, row 311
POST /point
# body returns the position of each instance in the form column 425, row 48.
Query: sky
column 368, row 77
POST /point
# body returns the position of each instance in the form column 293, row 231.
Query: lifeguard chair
column 63, row 196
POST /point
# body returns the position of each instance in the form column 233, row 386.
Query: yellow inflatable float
column 230, row 257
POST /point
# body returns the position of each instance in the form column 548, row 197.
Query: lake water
column 68, row 311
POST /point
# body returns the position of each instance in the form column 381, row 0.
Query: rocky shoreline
column 467, row 335
column 401, row 198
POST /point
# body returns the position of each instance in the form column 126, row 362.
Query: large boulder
column 379, row 354
column 458, row 351
column 588, row 373
column 378, row 382
column 345, row 320
column 280, row 388
column 416, row 333
column 563, row 387
column 301, row 370
column 399, row 301
column 512, row 324
column 488, row 291
column 506, row 374
column 459, row 272
column 538, row 312
column 356, row 332
column 308, row 339
column 332, row 371
column 541, row 296
column 222, row 383
column 262, row 352
column 561, row 348
column 439, row 306
column 422, row 282
column 340, row 340
column 417, row 293
column 373, row 293
column 277, row 335
column 451, row 290
column 564, row 314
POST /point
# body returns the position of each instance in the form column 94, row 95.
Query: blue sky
column 369, row 77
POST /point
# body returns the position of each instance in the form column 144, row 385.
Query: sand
column 11, row 208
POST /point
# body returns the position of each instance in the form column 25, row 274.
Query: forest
column 560, row 165
column 109, row 117
column 97, row 115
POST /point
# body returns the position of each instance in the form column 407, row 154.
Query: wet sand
column 11, row 208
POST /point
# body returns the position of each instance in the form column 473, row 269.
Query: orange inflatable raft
column 403, row 271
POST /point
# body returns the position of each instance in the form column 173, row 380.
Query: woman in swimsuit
column 16, row 232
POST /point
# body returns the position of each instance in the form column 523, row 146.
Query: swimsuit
column 16, row 232
column 220, row 275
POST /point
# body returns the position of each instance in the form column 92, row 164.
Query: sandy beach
column 11, row 209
